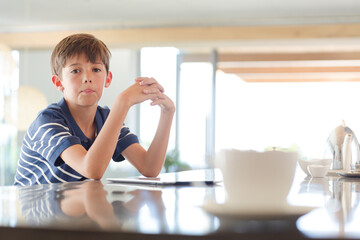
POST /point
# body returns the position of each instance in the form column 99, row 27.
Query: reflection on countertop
column 95, row 205
column 339, row 216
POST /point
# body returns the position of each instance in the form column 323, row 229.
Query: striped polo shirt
column 49, row 135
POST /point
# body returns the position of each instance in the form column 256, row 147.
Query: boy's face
column 82, row 81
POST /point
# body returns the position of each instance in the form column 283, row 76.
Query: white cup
column 304, row 164
column 258, row 180
column 318, row 171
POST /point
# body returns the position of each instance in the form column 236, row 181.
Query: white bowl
column 318, row 171
column 315, row 161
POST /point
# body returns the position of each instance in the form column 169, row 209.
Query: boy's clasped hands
column 146, row 88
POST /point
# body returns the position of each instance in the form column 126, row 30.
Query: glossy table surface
column 99, row 209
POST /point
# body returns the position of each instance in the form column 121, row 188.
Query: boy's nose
column 87, row 77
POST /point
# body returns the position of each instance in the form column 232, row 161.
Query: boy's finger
column 151, row 90
column 145, row 80
column 158, row 86
column 158, row 97
column 139, row 79
column 159, row 101
column 155, row 102
column 149, row 81
column 161, row 88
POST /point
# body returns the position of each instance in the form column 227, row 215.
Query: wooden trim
column 290, row 69
column 300, row 77
column 185, row 35
column 196, row 57
column 275, row 56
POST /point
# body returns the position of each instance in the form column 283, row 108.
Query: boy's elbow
column 94, row 176
column 150, row 172
column 97, row 177
column 93, row 173
column 151, row 175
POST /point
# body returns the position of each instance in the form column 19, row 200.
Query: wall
column 34, row 70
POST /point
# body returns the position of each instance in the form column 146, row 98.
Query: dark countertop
column 100, row 210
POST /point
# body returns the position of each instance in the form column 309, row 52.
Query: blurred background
column 243, row 74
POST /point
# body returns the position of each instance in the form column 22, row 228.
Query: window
column 9, row 144
column 194, row 108
column 159, row 63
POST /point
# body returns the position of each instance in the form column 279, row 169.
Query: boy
column 75, row 139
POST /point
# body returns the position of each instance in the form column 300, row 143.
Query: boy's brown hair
column 75, row 45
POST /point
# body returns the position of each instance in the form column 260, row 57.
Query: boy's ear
column 57, row 83
column 108, row 79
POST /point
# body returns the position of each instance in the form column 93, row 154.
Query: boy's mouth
column 88, row 91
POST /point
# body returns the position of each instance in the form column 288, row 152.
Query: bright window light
column 302, row 115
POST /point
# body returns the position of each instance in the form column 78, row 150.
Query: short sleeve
column 126, row 138
column 49, row 136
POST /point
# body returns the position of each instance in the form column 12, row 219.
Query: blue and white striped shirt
column 49, row 135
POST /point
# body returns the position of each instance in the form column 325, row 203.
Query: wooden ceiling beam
column 290, row 80
column 185, row 35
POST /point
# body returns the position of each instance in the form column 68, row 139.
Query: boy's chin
column 90, row 102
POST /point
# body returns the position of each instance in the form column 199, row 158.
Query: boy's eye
column 97, row 70
column 75, row 71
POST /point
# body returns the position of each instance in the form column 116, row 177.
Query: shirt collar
column 98, row 120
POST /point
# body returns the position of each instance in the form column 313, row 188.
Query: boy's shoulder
column 59, row 114
column 53, row 113
column 52, row 110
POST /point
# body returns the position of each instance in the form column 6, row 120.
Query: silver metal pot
column 344, row 148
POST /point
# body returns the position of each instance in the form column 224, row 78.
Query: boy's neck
column 85, row 118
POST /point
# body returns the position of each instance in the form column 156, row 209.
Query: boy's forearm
column 155, row 156
column 100, row 153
